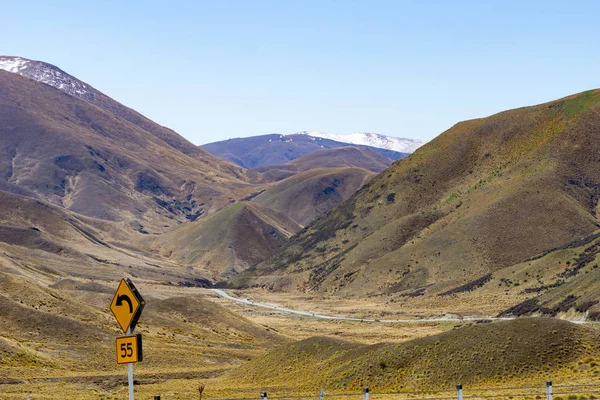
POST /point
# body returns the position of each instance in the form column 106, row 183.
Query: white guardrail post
column 263, row 395
column 459, row 394
column 549, row 390
column 322, row 394
column 366, row 394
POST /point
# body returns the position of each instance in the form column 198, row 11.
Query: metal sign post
column 130, row 374
column 127, row 306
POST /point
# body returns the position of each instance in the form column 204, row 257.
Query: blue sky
column 213, row 70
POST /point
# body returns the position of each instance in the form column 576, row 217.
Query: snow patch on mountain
column 13, row 64
column 48, row 74
column 402, row 145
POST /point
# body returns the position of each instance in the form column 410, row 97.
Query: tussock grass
column 525, row 350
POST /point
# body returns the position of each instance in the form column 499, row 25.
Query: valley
column 193, row 337
column 294, row 262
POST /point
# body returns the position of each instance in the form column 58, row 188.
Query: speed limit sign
column 129, row 349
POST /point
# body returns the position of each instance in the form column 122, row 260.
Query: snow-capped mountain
column 53, row 76
column 402, row 145
column 48, row 74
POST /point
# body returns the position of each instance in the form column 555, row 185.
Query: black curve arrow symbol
column 121, row 299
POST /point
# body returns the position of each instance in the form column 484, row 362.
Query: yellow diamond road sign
column 127, row 305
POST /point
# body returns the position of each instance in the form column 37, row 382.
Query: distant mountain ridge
column 401, row 145
column 277, row 149
column 391, row 147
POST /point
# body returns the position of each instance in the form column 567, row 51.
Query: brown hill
column 483, row 196
column 343, row 157
column 307, row 195
column 562, row 282
column 51, row 75
column 74, row 154
column 229, row 241
column 45, row 243
column 525, row 350
column 349, row 157
column 81, row 187
column 244, row 234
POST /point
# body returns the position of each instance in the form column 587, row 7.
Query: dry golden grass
column 189, row 341
column 479, row 303
column 516, row 352
column 64, row 338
